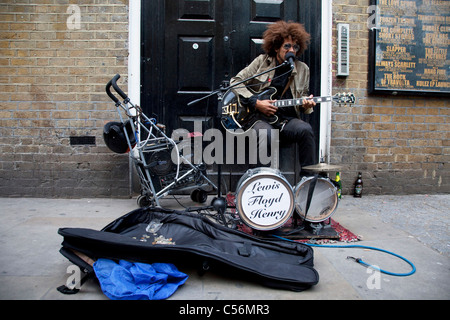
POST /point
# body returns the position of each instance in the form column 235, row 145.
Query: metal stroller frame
column 155, row 140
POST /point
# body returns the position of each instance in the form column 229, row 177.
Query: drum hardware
column 316, row 198
column 322, row 167
column 218, row 203
column 311, row 188
column 315, row 212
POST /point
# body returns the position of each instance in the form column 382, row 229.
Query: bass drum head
column 264, row 199
column 323, row 202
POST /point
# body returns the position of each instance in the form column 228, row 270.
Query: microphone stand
column 219, row 203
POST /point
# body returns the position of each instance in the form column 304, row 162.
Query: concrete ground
column 413, row 226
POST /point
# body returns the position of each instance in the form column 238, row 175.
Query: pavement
column 415, row 227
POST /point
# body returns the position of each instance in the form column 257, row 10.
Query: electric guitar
column 235, row 116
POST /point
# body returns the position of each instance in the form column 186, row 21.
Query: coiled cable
column 359, row 260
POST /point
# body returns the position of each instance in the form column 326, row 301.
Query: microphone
column 290, row 58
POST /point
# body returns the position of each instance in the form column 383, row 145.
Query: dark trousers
column 294, row 131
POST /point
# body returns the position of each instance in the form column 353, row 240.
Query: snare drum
column 323, row 202
column 264, row 199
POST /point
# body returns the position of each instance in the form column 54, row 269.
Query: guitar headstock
column 344, row 98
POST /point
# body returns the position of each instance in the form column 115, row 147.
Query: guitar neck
column 296, row 102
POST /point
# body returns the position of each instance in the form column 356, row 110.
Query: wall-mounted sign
column 409, row 47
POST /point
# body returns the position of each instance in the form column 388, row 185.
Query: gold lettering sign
column 409, row 47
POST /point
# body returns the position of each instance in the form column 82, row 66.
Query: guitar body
column 235, row 116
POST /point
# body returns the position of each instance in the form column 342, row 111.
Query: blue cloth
column 138, row 281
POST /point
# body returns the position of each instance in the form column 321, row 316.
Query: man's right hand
column 266, row 107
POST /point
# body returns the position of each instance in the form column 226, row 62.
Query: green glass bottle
column 339, row 184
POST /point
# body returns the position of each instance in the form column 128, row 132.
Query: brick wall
column 400, row 144
column 52, row 78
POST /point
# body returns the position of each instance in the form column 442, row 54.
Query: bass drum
column 264, row 199
column 324, row 199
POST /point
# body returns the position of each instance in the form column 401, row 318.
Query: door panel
column 266, row 11
column 196, row 10
column 195, row 57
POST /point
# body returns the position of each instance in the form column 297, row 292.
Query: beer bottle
column 358, row 186
column 339, row 184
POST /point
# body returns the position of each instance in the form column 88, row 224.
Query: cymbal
column 322, row 167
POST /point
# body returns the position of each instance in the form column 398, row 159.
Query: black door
column 189, row 47
column 184, row 58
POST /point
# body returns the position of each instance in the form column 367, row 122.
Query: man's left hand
column 308, row 102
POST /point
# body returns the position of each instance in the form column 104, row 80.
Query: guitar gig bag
column 152, row 235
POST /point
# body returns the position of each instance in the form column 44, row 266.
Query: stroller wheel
column 143, row 201
column 199, row 195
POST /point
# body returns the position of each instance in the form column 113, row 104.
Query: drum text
column 262, row 213
column 266, row 202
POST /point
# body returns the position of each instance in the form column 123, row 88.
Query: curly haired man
column 280, row 39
